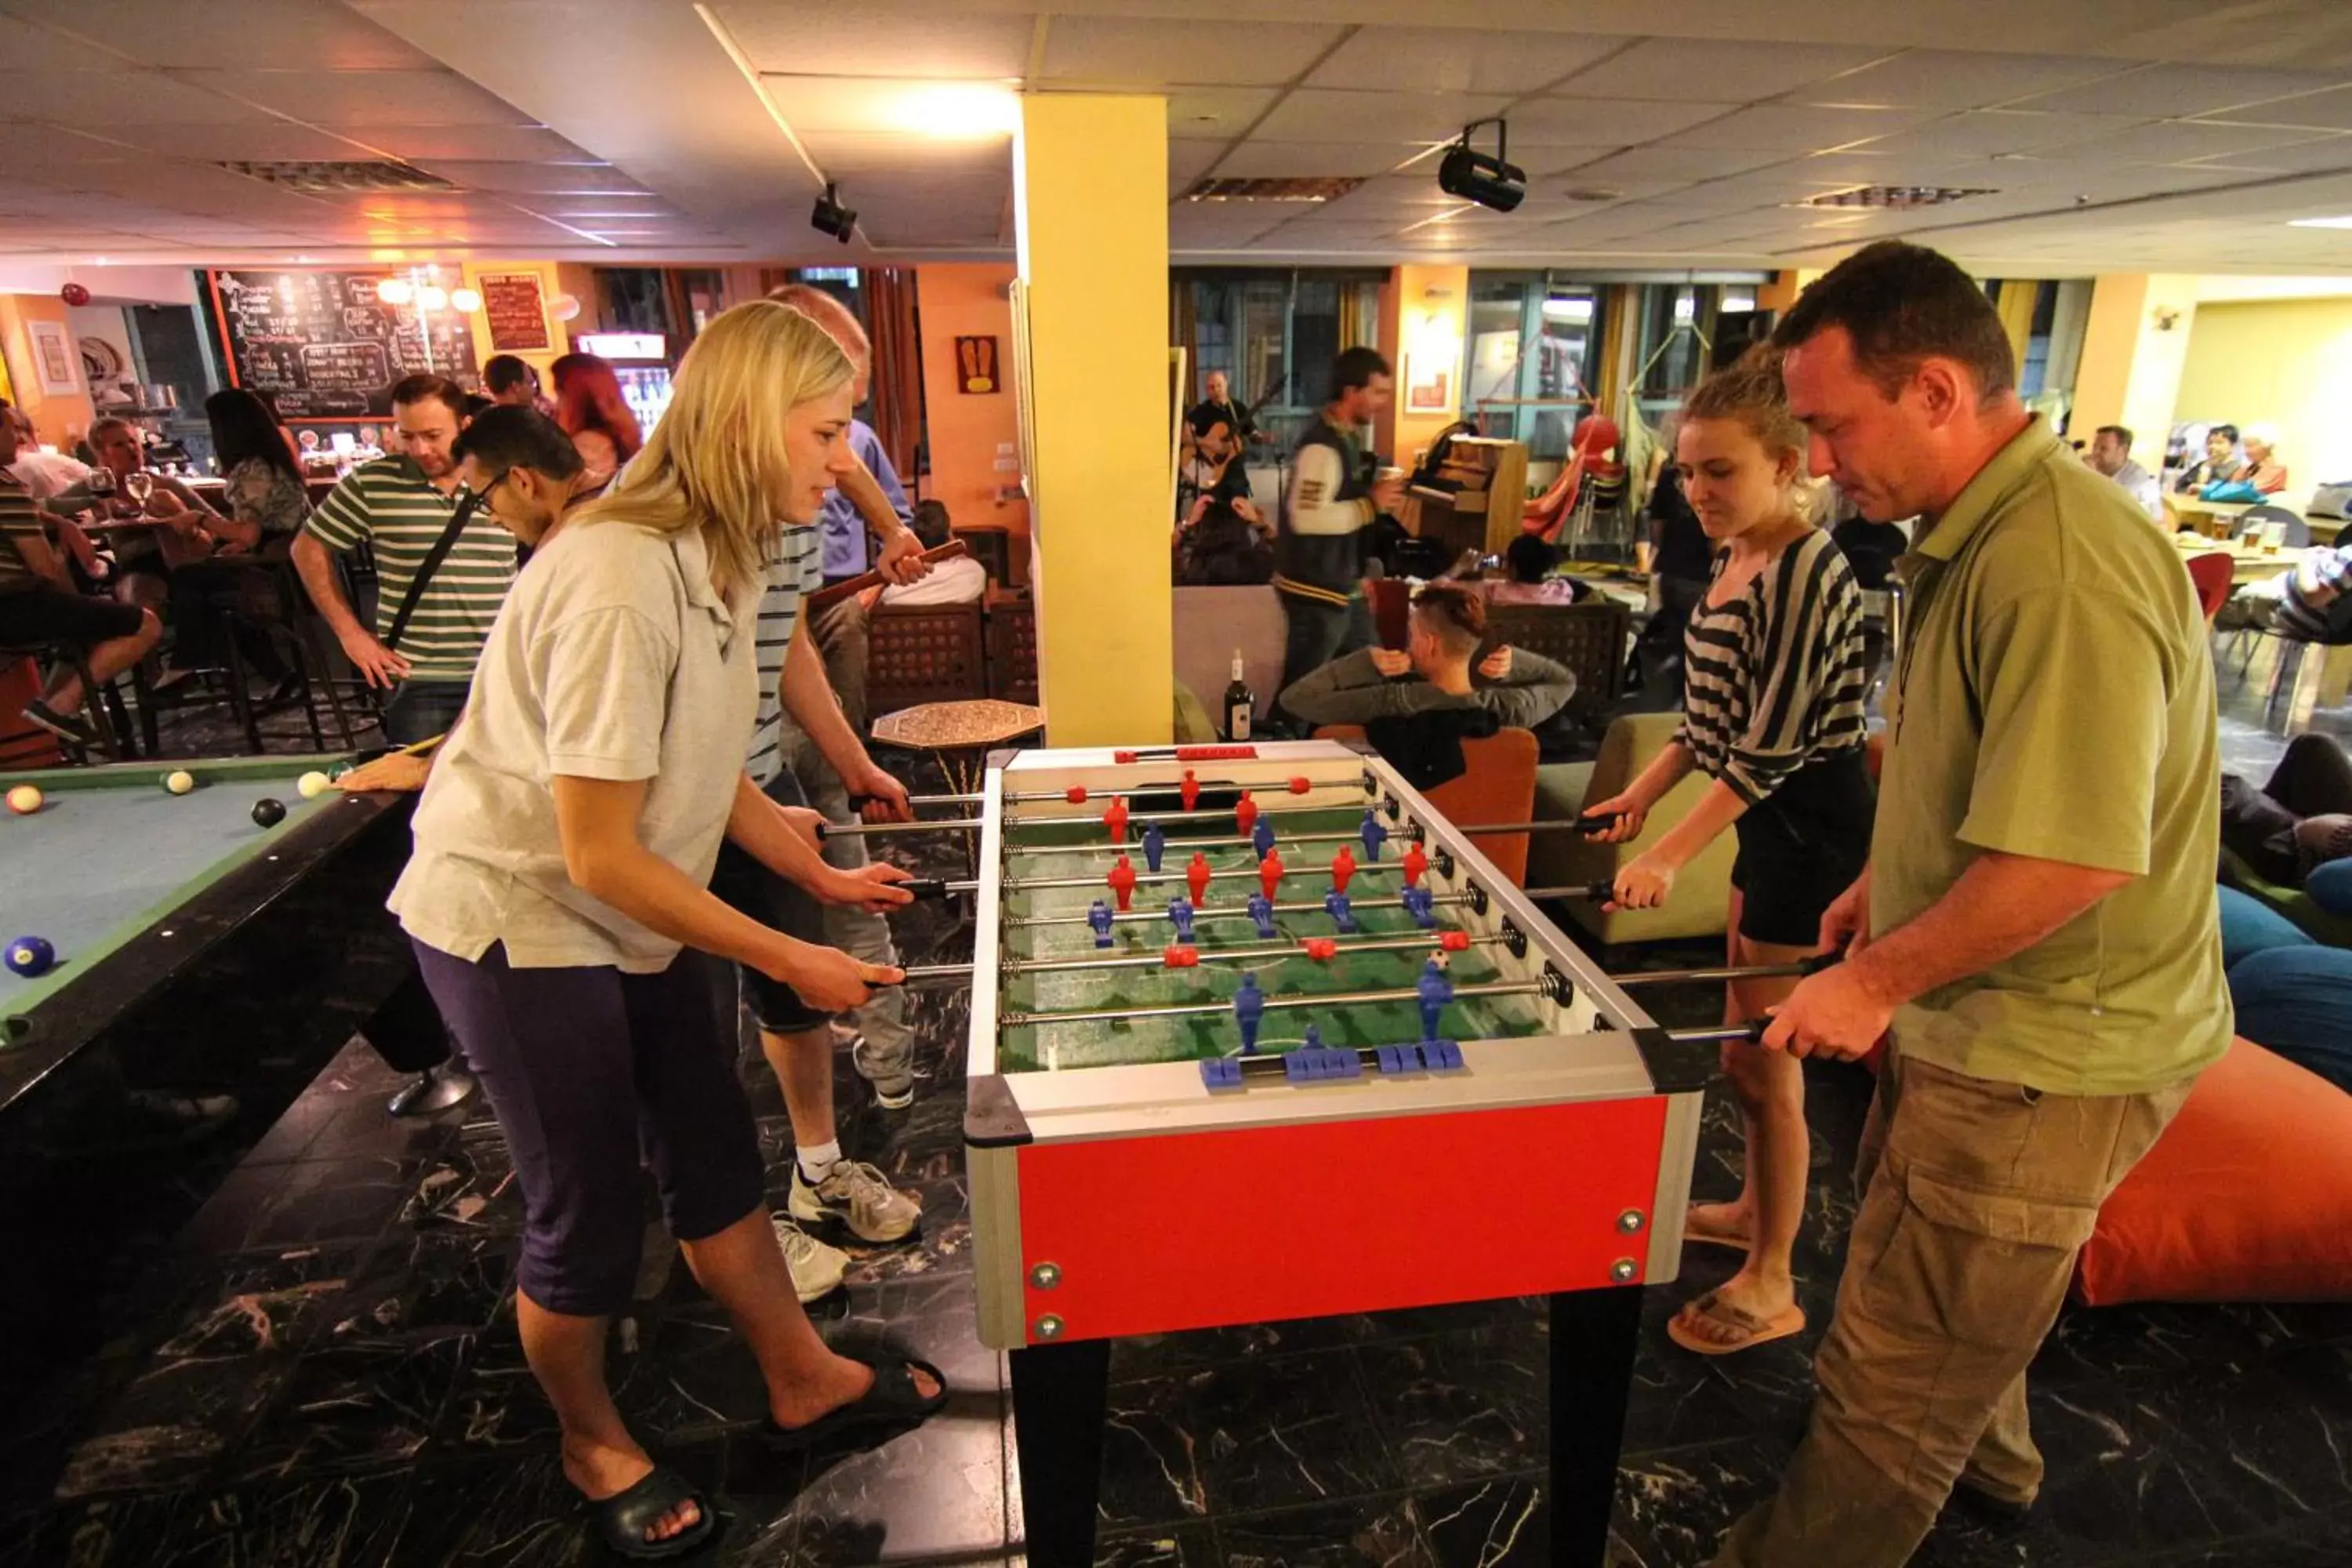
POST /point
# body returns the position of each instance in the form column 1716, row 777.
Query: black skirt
column 1802, row 847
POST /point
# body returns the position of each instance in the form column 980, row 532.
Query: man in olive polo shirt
column 399, row 506
column 2037, row 923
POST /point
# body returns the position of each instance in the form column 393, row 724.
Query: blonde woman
column 1773, row 696
column 558, row 901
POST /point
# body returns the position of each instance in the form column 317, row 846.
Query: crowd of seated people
column 2222, row 474
column 2294, row 833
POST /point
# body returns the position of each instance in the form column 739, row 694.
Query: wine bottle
column 1239, row 703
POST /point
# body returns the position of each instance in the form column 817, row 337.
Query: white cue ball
column 24, row 800
column 179, row 781
column 313, row 785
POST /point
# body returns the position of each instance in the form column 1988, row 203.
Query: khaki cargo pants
column 1976, row 1197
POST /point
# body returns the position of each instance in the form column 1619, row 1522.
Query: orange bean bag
column 2246, row 1197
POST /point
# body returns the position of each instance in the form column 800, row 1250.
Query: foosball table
column 1215, row 984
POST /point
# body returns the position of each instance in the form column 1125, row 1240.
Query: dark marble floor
column 323, row 1371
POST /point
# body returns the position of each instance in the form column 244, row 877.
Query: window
column 1535, row 342
column 1275, row 334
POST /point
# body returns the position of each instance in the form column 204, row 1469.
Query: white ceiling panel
column 856, row 39
column 293, row 35
column 1195, row 50
column 29, row 149
column 1324, row 114
column 2179, row 92
column 472, row 143
column 26, row 48
column 2177, row 142
column 844, row 154
column 1398, row 192
column 1205, row 111
column 1685, row 164
column 2330, row 111
column 1604, row 122
column 362, row 98
column 1718, row 71
column 1258, row 159
column 552, row 179
column 1996, row 132
column 1795, row 128
column 1954, row 79
column 1188, row 160
column 275, row 138
column 2329, row 154
column 97, row 99
column 1457, row 60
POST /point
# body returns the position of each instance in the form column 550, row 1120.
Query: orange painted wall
column 966, row 429
column 61, row 419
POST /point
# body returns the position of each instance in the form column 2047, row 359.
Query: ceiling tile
column 862, row 104
column 1416, row 188
column 843, row 154
column 293, row 35
column 1685, row 164
column 363, row 97
column 1457, row 60
column 482, row 144
column 273, row 139
column 1204, row 111
column 1259, row 159
column 29, row 148
column 2329, row 111
column 2327, row 154
column 2179, row 92
column 2177, row 142
column 1604, row 122
column 1991, row 133
column 1795, row 128
column 1955, row 79
column 854, row 39
column 1323, row 114
column 1198, row 50
column 1720, row 71
column 1188, row 160
column 552, row 179
column 96, row 98
column 26, row 48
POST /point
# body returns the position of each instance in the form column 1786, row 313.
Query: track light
column 831, row 217
column 1475, row 178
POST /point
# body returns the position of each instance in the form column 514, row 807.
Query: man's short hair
column 1454, row 615
column 510, row 436
column 1902, row 305
column 1355, row 368
column 930, row 523
column 422, row 388
column 504, row 373
column 825, row 309
column 2121, row 433
column 2227, row 432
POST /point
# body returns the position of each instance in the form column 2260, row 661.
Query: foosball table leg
column 1594, row 1335
column 1059, row 1395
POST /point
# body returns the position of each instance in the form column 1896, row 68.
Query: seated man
column 961, row 581
column 2110, row 454
column 2296, row 830
column 43, row 474
column 1215, row 474
column 1417, row 706
column 39, row 605
column 2307, row 602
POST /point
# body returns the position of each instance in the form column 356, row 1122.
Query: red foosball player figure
column 1189, row 790
column 1196, row 876
column 1114, row 819
column 1245, row 815
column 1269, row 873
column 1122, row 883
column 1416, row 862
column 1343, row 870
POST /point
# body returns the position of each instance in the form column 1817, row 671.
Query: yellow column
column 2135, row 346
column 1091, row 209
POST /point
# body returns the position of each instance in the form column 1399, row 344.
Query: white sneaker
column 854, row 1193
column 816, row 1267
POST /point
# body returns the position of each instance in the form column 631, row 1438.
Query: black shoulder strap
column 432, row 564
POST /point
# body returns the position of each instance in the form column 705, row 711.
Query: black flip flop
column 622, row 1519
column 892, row 1401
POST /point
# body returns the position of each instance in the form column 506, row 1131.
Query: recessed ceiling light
column 2344, row 222
column 959, row 111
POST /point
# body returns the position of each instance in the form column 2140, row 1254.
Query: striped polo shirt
column 798, row 569
column 19, row 519
column 1776, row 677
column 390, row 505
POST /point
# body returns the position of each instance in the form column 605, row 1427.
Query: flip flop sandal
column 1692, row 1232
column 1752, row 1330
column 893, row 1400
column 622, row 1519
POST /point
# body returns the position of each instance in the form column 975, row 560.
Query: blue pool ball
column 31, row 955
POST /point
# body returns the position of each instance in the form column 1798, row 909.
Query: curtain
column 890, row 322
column 1359, row 306
column 2018, row 296
column 1184, row 331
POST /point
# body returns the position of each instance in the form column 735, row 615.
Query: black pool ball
column 268, row 813
column 31, row 955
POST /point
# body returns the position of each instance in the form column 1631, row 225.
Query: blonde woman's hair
column 1749, row 391
column 717, row 461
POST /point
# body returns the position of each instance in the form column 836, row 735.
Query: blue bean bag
column 2298, row 1002
column 2330, row 886
column 2250, row 926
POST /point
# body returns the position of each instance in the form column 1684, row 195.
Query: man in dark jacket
column 1319, row 549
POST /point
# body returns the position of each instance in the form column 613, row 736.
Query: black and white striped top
column 797, row 573
column 1777, row 676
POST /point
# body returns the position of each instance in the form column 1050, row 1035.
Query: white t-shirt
column 611, row 660
column 957, row 581
column 46, row 474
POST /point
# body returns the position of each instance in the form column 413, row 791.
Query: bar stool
column 31, row 741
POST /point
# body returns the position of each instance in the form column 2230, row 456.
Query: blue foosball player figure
column 1155, row 845
column 1375, row 834
column 1335, row 904
column 1098, row 917
column 1436, row 990
column 1249, row 1007
column 1261, row 837
column 1180, row 914
column 1422, row 905
column 1261, row 912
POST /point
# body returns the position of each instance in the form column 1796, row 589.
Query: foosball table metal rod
column 1697, row 976
column 927, row 973
column 868, row 829
column 1148, row 879
column 1327, row 999
column 1202, row 914
column 1080, row 797
column 1129, row 846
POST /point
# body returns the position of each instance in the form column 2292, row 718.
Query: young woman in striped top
column 1773, row 716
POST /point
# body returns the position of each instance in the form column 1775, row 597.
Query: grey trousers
column 885, row 1061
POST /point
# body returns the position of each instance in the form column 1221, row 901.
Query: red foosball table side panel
column 1154, row 1234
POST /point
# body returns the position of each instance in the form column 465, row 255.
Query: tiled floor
column 324, row 1373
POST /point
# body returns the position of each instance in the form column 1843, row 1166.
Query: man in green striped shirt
column 399, row 506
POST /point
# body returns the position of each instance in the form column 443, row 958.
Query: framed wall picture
column 976, row 369
column 55, row 364
column 1429, row 385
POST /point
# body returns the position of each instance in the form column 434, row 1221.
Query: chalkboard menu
column 322, row 345
column 510, row 303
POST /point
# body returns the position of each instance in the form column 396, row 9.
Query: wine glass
column 139, row 485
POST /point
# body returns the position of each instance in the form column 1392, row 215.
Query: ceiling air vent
column 1317, row 189
column 325, row 179
column 1895, row 198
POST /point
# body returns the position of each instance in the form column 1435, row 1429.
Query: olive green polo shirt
column 2055, row 700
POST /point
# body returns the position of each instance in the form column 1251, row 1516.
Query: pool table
column 197, row 955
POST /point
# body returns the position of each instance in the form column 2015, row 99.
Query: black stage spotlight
column 831, row 217
column 1475, row 178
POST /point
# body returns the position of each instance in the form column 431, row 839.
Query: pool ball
column 24, row 800
column 30, row 955
column 268, row 813
column 313, row 785
column 179, row 781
